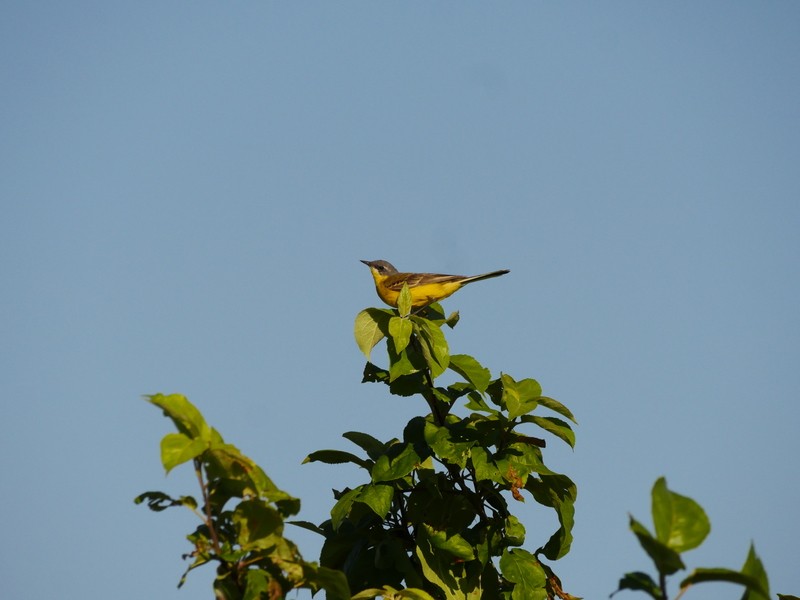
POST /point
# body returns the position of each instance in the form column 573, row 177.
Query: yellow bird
column 425, row 288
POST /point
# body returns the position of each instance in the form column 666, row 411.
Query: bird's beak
column 366, row 262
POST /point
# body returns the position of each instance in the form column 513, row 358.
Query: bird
column 425, row 288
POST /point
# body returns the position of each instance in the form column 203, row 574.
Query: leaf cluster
column 435, row 512
column 680, row 525
column 242, row 514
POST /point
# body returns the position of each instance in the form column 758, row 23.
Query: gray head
column 381, row 266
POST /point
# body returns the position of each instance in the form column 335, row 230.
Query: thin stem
column 682, row 592
column 198, row 469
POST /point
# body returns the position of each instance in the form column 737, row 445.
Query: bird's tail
column 467, row 280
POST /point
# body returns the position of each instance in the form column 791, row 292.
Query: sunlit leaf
column 404, row 301
column 433, row 345
column 514, row 531
column 436, row 566
column 519, row 397
column 400, row 330
column 400, row 363
column 378, row 498
column 398, row 462
column 526, row 573
column 257, row 585
column 178, row 448
column 447, row 445
column 556, row 406
column 342, row 507
column 471, row 370
column 451, row 543
column 484, row 465
column 187, row 418
column 680, row 522
column 553, row 425
column 753, row 567
column 371, row 326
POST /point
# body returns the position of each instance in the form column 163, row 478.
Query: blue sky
column 187, row 189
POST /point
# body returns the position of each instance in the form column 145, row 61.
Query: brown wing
column 395, row 282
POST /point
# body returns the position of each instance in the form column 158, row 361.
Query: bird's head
column 380, row 267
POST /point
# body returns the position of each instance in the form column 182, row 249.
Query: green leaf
column 640, row 582
column 342, row 507
column 453, row 319
column 401, row 363
column 372, row 446
column 438, row 503
column 484, row 465
column 529, row 389
column 519, row 397
column 225, row 587
column 433, row 345
column 754, row 590
column 257, row 585
column 414, row 434
column 374, row 374
column 378, row 498
column 388, row 591
column 313, row 527
column 471, row 370
column 187, row 419
column 556, row 406
column 680, row 522
column 333, row 581
column 515, row 531
column 524, row 458
column 400, row 331
column 666, row 560
column 371, row 326
column 447, row 444
column 233, row 474
column 258, row 525
column 404, row 301
column 433, row 312
column 336, row 457
column 557, row 427
column 158, row 501
column 753, row 567
column 558, row 492
column 178, row 448
column 526, row 573
column 437, row 568
column 408, row 385
column 398, row 462
column 477, row 402
column 452, row 543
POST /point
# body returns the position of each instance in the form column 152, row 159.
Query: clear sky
column 187, row 189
